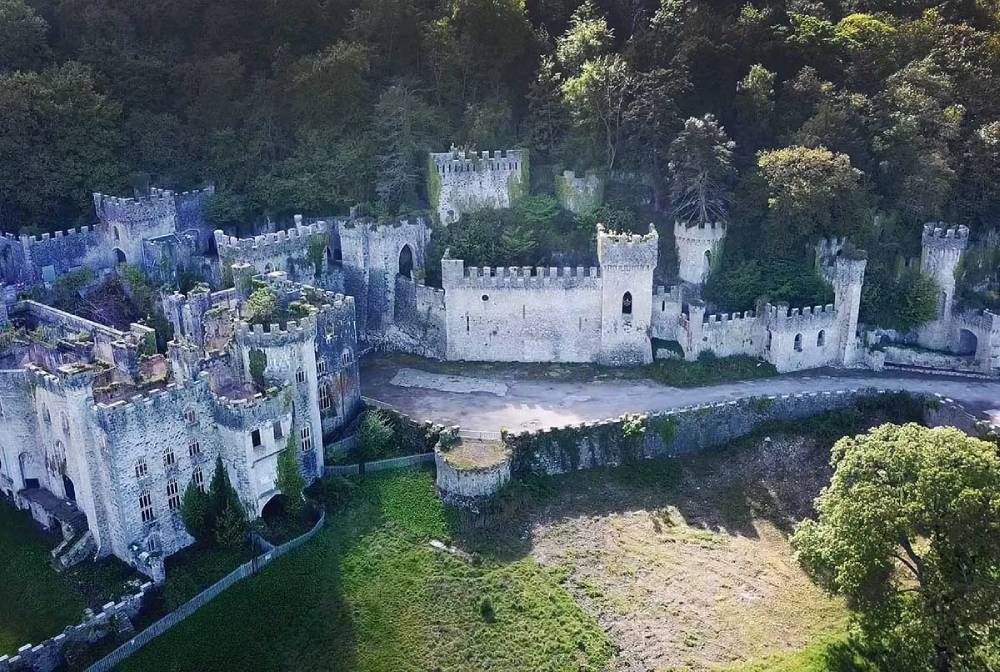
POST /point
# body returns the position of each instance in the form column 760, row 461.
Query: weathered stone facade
column 461, row 181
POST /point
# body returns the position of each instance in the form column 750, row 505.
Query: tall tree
column 403, row 127
column 909, row 532
column 22, row 37
column 701, row 172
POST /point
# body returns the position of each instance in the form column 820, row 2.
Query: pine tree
column 194, row 512
column 701, row 171
column 289, row 479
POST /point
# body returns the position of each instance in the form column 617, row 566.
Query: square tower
column 626, row 262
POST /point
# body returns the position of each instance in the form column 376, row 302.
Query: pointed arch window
column 627, row 303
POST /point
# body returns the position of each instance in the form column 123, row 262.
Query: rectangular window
column 255, row 438
column 169, row 459
column 190, row 417
column 173, row 496
column 321, row 366
column 300, row 376
column 198, row 476
column 324, row 398
column 141, row 468
column 194, row 449
column 307, row 442
column 146, row 506
column 278, row 432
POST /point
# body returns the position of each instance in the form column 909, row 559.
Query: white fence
column 201, row 599
column 481, row 435
column 380, row 465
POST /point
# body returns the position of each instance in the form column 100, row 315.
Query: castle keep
column 461, row 181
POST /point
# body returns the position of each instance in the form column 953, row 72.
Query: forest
column 789, row 119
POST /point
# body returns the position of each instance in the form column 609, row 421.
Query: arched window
column 798, row 342
column 627, row 303
column 708, row 259
column 120, row 257
column 821, row 338
column 406, row 262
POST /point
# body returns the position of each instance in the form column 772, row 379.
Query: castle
column 100, row 435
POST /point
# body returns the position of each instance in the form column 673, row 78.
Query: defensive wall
column 52, row 654
column 461, row 181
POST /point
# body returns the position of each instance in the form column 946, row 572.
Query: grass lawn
column 369, row 593
column 37, row 601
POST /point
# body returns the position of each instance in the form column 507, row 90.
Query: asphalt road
column 486, row 397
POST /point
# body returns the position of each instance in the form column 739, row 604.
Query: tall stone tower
column 697, row 247
column 627, row 263
column 941, row 250
column 848, row 277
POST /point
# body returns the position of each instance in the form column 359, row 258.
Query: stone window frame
column 190, row 417
column 821, row 338
column 321, row 366
column 173, row 496
column 141, row 468
column 300, row 376
column 346, row 357
column 797, row 342
column 46, row 416
column 256, row 439
column 198, row 477
column 324, row 397
column 146, row 512
column 169, row 458
column 194, row 449
column 279, row 433
column 305, row 434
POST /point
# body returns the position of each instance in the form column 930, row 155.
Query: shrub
column 486, row 610
column 289, row 479
column 258, row 363
column 231, row 526
column 375, row 436
column 194, row 512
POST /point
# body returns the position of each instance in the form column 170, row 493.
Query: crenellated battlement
column 942, row 236
column 671, row 294
column 271, row 243
column 141, row 405
column 274, row 335
column 88, row 231
column 160, row 203
column 244, row 414
column 783, row 318
column 528, row 277
column 728, row 320
column 459, row 161
column 711, row 232
column 615, row 249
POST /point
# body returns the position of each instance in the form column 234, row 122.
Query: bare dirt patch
column 691, row 569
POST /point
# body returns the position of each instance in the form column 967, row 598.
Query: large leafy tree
column 22, row 36
column 909, row 532
column 809, row 191
column 701, row 171
column 403, row 123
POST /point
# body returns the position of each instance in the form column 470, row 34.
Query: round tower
column 941, row 250
column 697, row 247
column 627, row 262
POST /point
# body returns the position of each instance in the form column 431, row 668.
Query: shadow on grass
column 772, row 475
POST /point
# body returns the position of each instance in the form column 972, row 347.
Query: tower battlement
column 273, row 335
column 941, row 236
column 706, row 232
column 517, row 277
column 160, row 203
column 271, row 243
column 459, row 161
column 174, row 395
column 783, row 318
column 627, row 249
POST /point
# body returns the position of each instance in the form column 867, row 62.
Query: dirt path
column 487, row 397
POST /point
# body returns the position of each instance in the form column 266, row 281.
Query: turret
column 941, row 250
column 627, row 263
column 697, row 247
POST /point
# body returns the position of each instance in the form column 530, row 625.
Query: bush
column 217, row 516
column 901, row 303
column 486, row 610
column 194, row 512
column 289, row 479
column 375, row 437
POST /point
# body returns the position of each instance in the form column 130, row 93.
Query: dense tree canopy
column 836, row 115
column 909, row 532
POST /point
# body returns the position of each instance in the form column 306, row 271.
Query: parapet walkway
column 488, row 397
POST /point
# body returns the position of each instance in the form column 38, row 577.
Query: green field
column 369, row 593
column 37, row 601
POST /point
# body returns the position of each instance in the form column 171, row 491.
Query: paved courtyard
column 486, row 397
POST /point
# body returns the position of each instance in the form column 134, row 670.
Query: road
column 486, row 397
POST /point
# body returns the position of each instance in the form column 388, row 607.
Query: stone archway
column 120, row 257
column 968, row 343
column 69, row 488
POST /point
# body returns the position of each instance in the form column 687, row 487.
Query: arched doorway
column 120, row 256
column 274, row 508
column 28, row 474
column 69, row 488
column 406, row 262
column 627, row 303
column 968, row 343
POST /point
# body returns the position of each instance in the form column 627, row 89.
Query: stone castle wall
column 462, row 181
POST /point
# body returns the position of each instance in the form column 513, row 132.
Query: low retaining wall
column 675, row 432
column 944, row 412
column 379, row 465
column 114, row 617
column 413, row 436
